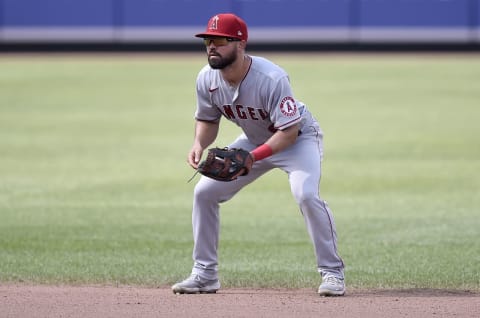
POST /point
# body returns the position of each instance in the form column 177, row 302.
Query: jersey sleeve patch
column 288, row 107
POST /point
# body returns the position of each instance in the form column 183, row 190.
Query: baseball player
column 278, row 131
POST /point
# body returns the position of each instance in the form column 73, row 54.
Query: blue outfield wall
column 269, row 20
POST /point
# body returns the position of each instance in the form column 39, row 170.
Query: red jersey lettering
column 242, row 112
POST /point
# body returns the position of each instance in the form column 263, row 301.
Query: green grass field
column 93, row 173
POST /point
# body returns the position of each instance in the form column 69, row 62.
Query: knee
column 209, row 191
column 202, row 192
column 303, row 198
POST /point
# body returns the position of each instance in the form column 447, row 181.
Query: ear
column 242, row 45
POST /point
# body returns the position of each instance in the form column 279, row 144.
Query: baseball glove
column 226, row 164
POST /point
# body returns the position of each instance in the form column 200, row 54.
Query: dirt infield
column 87, row 301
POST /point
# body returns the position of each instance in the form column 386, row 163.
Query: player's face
column 221, row 52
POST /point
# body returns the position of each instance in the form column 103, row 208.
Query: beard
column 219, row 62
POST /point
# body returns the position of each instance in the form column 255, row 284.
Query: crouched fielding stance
column 278, row 132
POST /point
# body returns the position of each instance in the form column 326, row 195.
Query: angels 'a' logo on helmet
column 214, row 24
column 288, row 106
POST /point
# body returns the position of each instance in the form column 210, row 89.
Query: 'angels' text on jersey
column 243, row 112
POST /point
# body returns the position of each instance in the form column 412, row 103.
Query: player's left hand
column 226, row 164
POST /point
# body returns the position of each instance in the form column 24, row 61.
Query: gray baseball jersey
column 260, row 105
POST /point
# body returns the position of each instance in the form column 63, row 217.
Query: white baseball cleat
column 332, row 286
column 196, row 285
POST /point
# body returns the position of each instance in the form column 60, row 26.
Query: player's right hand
column 194, row 157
